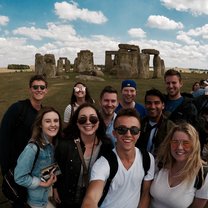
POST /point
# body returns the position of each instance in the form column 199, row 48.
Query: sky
column 176, row 28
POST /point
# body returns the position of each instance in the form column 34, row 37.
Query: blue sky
column 178, row 29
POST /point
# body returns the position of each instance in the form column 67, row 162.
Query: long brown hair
column 37, row 130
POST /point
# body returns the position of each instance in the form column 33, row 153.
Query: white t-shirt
column 124, row 190
column 67, row 112
column 180, row 196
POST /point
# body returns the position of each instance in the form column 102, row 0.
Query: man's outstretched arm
column 93, row 194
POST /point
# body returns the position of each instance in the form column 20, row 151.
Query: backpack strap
column 200, row 177
column 36, row 155
column 145, row 160
column 113, row 163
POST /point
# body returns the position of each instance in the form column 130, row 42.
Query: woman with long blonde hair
column 179, row 163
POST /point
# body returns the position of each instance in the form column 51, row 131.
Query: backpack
column 200, row 177
column 113, row 163
column 11, row 189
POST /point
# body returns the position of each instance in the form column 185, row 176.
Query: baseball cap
column 128, row 83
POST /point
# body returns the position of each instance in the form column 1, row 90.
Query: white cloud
column 53, row 31
column 183, row 36
column 137, row 33
column 199, row 31
column 70, row 11
column 196, row 7
column 4, row 20
column 177, row 55
column 163, row 23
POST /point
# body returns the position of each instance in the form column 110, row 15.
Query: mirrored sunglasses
column 122, row 130
column 185, row 144
column 77, row 89
column 41, row 87
column 83, row 119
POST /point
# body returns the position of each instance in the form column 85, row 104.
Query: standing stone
column 39, row 63
column 84, row 61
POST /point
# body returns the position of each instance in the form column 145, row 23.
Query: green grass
column 14, row 86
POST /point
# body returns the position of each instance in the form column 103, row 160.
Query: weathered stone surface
column 89, row 78
column 157, row 66
column 84, row 61
column 50, row 65
column 63, row 65
column 143, row 67
column 39, row 63
column 45, row 64
column 150, row 51
column 129, row 47
column 128, row 62
column 162, row 67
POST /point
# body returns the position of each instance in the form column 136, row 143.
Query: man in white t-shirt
column 126, row 189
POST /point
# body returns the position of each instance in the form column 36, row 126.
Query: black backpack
column 200, row 177
column 113, row 163
column 11, row 189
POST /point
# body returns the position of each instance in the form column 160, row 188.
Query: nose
column 180, row 145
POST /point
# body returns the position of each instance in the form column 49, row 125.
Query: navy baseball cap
column 128, row 83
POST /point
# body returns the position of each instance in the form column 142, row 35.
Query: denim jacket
column 37, row 195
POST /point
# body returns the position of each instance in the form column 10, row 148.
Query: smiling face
column 128, row 94
column 181, row 146
column 109, row 102
column 89, row 127
column 173, row 86
column 126, row 141
column 79, row 91
column 154, row 107
column 37, row 93
column 50, row 124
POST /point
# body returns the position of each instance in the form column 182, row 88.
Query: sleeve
column 202, row 193
column 22, row 172
column 100, row 170
column 151, row 171
column 67, row 113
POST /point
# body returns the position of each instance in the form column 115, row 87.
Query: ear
column 114, row 133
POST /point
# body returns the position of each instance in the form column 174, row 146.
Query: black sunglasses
column 83, row 119
column 122, row 130
column 42, row 87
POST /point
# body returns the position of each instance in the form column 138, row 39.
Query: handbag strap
column 85, row 170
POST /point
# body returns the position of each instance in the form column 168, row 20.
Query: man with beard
column 108, row 104
column 178, row 106
column 155, row 126
column 128, row 93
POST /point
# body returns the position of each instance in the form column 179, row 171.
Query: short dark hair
column 172, row 72
column 108, row 89
column 129, row 112
column 154, row 92
column 38, row 77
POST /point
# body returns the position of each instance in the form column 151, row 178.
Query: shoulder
column 68, row 107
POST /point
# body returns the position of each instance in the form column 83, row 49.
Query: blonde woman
column 180, row 162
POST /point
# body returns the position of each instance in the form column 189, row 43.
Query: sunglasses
column 83, row 119
column 122, row 130
column 36, row 87
column 77, row 89
column 176, row 143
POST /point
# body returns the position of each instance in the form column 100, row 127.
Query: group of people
column 167, row 131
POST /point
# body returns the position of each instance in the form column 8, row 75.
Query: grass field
column 14, row 86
